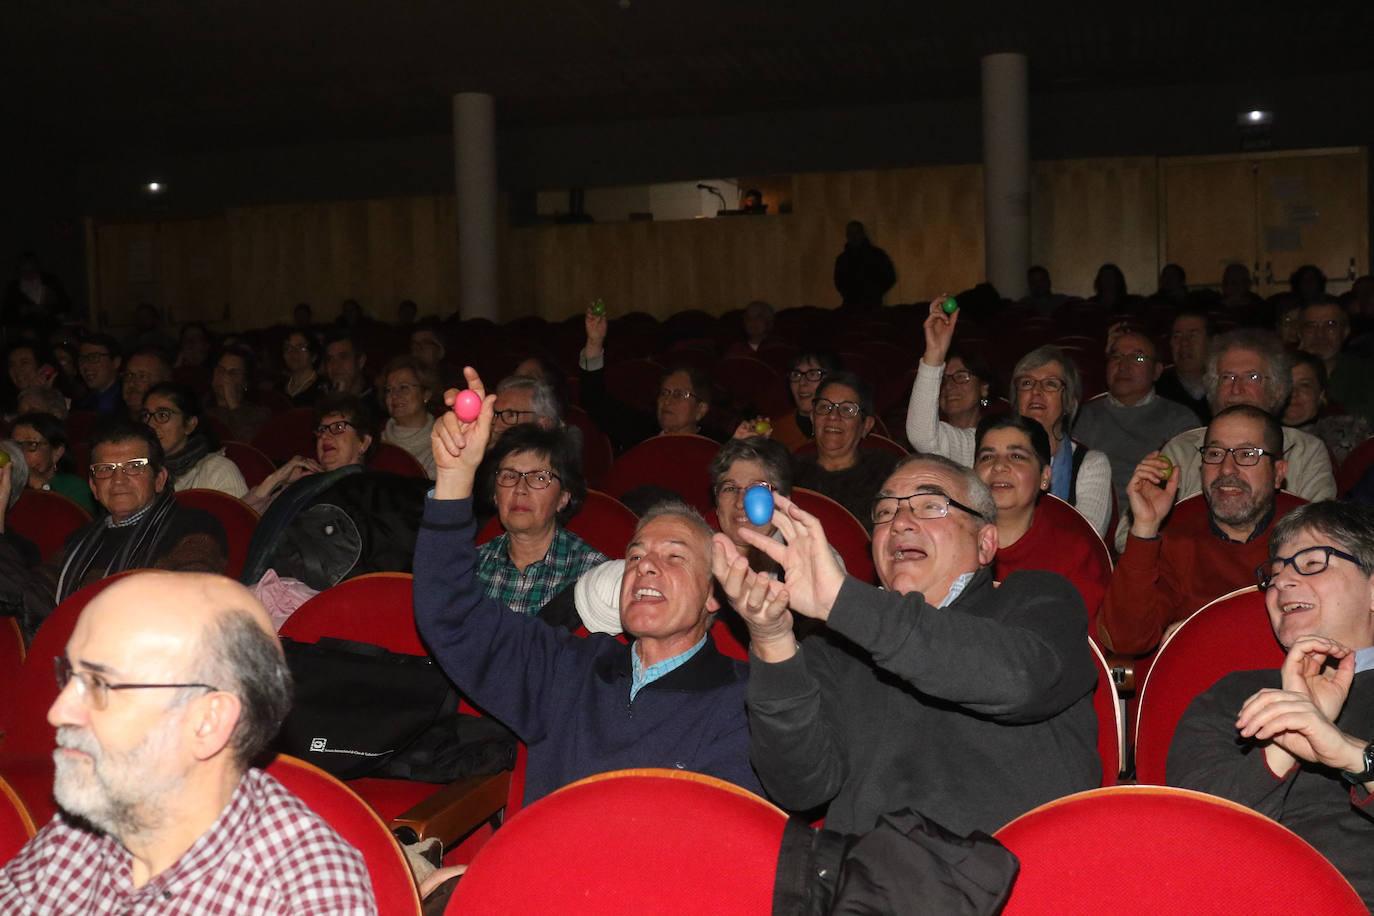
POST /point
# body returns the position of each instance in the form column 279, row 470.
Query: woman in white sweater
column 406, row 388
column 1045, row 387
column 194, row 458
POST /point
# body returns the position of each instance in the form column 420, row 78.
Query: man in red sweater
column 1210, row 546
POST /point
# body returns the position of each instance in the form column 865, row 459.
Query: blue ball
column 758, row 504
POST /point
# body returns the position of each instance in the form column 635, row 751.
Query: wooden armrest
column 1123, row 673
column 457, row 809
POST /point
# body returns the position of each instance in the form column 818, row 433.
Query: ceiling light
column 153, row 187
column 1255, row 117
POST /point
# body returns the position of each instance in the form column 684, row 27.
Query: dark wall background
column 54, row 189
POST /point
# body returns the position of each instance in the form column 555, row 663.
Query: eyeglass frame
column 949, row 501
column 1052, row 384
column 89, row 692
column 329, row 428
column 838, row 407
column 527, row 478
column 32, row 445
column 952, row 378
column 677, row 394
column 1249, row 378
column 502, row 415
column 1265, row 580
column 733, row 490
column 1202, row 451
column 796, row 375
column 145, row 414
column 134, row 467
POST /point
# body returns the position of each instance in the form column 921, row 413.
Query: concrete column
column 474, row 165
column 1006, row 172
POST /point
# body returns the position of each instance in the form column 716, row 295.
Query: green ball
column 950, row 306
column 599, row 307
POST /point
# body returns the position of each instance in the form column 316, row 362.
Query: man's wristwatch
column 1356, row 779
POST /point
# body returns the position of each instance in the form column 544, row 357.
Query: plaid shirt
column 267, row 855
column 526, row 592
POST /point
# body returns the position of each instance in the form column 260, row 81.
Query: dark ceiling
column 185, row 75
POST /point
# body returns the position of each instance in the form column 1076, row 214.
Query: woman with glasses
column 841, row 415
column 43, row 439
column 1045, row 387
column 1306, row 409
column 538, row 486
column 1012, row 456
column 300, row 353
column 194, row 459
column 406, row 389
column 233, row 381
column 807, row 370
column 343, row 438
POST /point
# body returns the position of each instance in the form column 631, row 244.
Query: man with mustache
column 940, row 692
column 1168, row 571
column 172, row 684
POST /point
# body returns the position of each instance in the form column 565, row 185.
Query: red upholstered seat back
column 253, row 464
column 605, row 523
column 11, row 659
column 238, row 519
column 357, row 823
column 666, row 841
column 287, row 434
column 376, row 608
column 1111, row 726
column 844, row 532
column 390, row 457
column 1189, row 853
column 16, row 825
column 46, row 518
column 679, row 462
column 1360, row 459
column 1229, row 634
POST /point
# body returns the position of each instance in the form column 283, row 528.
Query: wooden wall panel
column 1207, row 216
column 1088, row 212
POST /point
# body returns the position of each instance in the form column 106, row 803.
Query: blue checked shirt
column 526, row 592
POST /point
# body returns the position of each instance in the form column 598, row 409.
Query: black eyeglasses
column 811, row 375
column 510, row 416
column 161, row 414
column 1306, row 562
column 960, row 377
column 922, row 505
column 538, row 479
column 1245, row 456
column 337, row 428
column 94, row 690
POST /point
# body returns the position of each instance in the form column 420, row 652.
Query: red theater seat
column 46, row 518
column 238, row 518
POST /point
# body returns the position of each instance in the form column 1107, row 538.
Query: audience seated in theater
column 1045, row 387
column 1324, row 332
column 758, row 325
column 100, row 358
column 344, row 364
column 1249, row 366
column 1174, row 564
column 1185, row 381
column 842, row 415
column 406, row 389
column 427, row 346
column 537, row 367
column 1130, row 420
column 145, row 367
column 26, row 370
column 34, row 298
column 160, row 808
column 233, row 382
column 195, row 347
column 1308, row 284
column 1173, row 286
column 192, row 451
column 794, row 430
column 668, row 699
column 538, row 486
column 1295, row 744
column 684, row 397
column 1013, row 459
column 1306, row 409
column 44, row 441
column 140, row 525
column 1003, row 676
column 43, row 399
column 863, row 271
column 1040, row 293
column 344, row 435
column 149, row 331
column 300, row 352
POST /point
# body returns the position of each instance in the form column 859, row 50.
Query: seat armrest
column 457, row 809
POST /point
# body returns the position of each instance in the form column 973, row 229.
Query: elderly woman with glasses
column 344, row 435
column 538, row 486
column 43, row 439
column 804, row 374
column 1045, row 387
column 406, row 389
column 841, row 415
column 194, row 458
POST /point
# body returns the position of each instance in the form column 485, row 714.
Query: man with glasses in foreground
column 940, row 692
column 1167, row 571
column 140, row 525
column 170, row 686
column 1296, row 744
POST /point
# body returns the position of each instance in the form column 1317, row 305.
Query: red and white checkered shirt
column 267, row 854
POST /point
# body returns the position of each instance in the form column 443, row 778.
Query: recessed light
column 1255, row 117
column 154, row 187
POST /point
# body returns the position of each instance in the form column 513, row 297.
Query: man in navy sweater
column 583, row 706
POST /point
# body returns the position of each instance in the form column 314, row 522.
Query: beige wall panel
column 1207, row 217
column 1313, row 210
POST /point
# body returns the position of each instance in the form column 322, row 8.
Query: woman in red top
column 1034, row 529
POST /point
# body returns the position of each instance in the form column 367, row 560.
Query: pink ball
column 467, row 406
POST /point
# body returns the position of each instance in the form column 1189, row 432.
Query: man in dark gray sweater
column 968, row 702
column 1295, row 744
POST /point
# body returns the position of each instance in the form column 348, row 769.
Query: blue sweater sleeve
column 506, row 663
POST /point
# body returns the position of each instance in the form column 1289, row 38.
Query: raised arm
column 924, row 428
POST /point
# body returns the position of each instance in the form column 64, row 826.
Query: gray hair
column 19, row 471
column 239, row 657
column 979, row 496
column 773, row 456
column 675, row 508
column 48, row 400
column 1277, row 368
column 1349, row 524
column 542, row 399
column 1073, row 385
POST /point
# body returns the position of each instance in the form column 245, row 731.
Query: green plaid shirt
column 526, row 592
